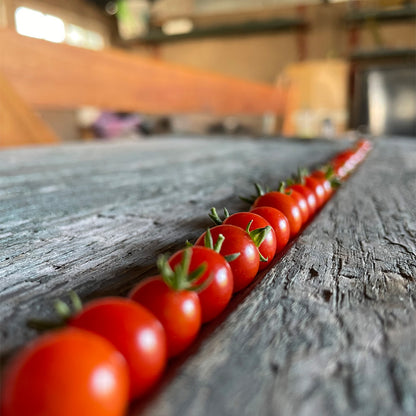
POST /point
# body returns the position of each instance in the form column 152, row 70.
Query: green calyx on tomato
column 64, row 312
column 330, row 175
column 209, row 242
column 180, row 278
column 300, row 176
column 282, row 188
column 259, row 192
column 213, row 214
column 258, row 235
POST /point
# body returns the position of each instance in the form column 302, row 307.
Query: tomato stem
column 260, row 191
column 218, row 243
column 209, row 243
column 259, row 235
column 216, row 218
column 63, row 311
column 180, row 278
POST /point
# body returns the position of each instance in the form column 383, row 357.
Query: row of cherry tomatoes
column 115, row 349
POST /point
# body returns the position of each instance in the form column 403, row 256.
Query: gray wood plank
column 329, row 329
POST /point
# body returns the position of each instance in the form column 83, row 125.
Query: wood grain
column 329, row 329
column 49, row 75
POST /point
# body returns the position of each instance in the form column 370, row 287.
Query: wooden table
column 329, row 329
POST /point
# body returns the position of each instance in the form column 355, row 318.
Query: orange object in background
column 317, row 98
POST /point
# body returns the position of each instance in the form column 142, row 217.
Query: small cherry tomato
column 343, row 163
column 236, row 241
column 279, row 223
column 217, row 294
column 326, row 183
column 308, row 195
column 172, row 298
column 134, row 331
column 302, row 204
column 179, row 311
column 67, row 372
column 285, row 204
column 315, row 185
column 251, row 221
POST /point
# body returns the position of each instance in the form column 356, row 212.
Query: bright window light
column 39, row 25
column 54, row 29
column 75, row 35
column 29, row 22
column 94, row 40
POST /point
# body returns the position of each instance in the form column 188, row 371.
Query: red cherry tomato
column 279, row 223
column 134, row 331
column 268, row 247
column 315, row 185
column 215, row 297
column 67, row 372
column 308, row 195
column 283, row 203
column 364, row 145
column 246, row 265
column 302, row 204
column 343, row 163
column 326, row 183
column 179, row 311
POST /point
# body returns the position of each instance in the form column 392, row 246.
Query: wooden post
column 19, row 124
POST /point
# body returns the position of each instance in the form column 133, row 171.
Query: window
column 39, row 25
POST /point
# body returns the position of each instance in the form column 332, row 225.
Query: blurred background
column 343, row 65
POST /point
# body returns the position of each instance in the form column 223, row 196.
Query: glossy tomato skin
column 67, row 372
column 246, row 265
column 343, row 163
column 302, row 204
column 283, row 203
column 279, row 223
column 216, row 296
column 179, row 311
column 325, row 183
column 134, row 331
column 315, row 185
column 308, row 195
column 268, row 247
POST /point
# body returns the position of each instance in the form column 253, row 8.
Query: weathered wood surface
column 330, row 329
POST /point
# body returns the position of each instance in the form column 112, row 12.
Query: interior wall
column 257, row 58
column 261, row 57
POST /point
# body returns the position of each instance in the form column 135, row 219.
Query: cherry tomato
column 284, row 203
column 279, row 223
column 343, row 163
column 246, row 265
column 214, row 297
column 267, row 247
column 315, row 185
column 326, row 183
column 308, row 195
column 134, row 331
column 179, row 311
column 364, row 145
column 302, row 204
column 67, row 372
